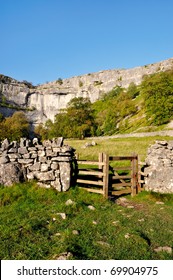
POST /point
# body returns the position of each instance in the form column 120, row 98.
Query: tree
column 14, row 127
column 157, row 90
column 80, row 115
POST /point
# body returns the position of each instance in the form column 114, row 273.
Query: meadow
column 114, row 146
column 44, row 224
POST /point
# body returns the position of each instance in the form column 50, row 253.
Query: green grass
column 30, row 227
column 115, row 147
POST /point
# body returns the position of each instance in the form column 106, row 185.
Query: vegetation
column 115, row 146
column 60, row 81
column 157, row 90
column 75, row 121
column 31, row 227
column 14, row 127
column 144, row 107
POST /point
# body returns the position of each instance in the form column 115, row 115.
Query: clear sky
column 43, row 40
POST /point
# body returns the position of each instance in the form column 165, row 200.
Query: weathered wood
column 106, row 175
column 82, row 181
column 116, row 158
column 121, row 192
column 121, row 177
column 134, row 176
column 87, row 162
column 122, row 185
column 88, row 172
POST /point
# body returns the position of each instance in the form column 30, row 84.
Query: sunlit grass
column 31, row 227
column 114, row 147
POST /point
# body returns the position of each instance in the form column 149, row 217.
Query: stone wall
column 50, row 163
column 159, row 167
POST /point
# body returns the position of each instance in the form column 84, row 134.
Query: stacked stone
column 159, row 167
column 50, row 163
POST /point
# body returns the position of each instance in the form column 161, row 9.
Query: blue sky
column 43, row 40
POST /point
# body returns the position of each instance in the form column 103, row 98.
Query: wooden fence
column 94, row 173
column 124, row 175
column 108, row 176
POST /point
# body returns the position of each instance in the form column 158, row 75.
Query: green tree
column 14, row 127
column 157, row 90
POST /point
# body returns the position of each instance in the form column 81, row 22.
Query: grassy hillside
column 114, row 146
column 39, row 224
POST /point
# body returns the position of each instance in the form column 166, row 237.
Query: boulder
column 10, row 173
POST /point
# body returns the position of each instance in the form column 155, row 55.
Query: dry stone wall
column 159, row 167
column 50, row 163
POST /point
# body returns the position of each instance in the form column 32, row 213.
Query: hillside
column 43, row 102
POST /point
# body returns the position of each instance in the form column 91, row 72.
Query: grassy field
column 114, row 147
column 37, row 223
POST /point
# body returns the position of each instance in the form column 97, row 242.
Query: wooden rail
column 100, row 177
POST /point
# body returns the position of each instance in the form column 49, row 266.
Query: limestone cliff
column 44, row 102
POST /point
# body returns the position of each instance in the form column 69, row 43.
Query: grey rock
column 57, row 185
column 35, row 167
column 45, row 167
column 45, row 176
column 22, row 150
column 4, row 159
column 65, row 175
column 25, row 161
column 10, row 173
column 46, row 100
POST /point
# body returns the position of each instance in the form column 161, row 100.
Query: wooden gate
column 110, row 175
column 123, row 175
column 93, row 175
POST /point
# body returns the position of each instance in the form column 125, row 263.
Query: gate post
column 105, row 175
column 134, row 173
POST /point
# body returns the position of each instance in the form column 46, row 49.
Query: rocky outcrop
column 159, row 167
column 49, row 163
column 45, row 101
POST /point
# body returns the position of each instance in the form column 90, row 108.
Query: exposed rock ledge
column 44, row 102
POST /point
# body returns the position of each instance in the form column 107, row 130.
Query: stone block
column 42, row 159
column 30, row 176
column 57, row 185
column 25, row 161
column 26, row 155
column 45, row 176
column 54, row 166
column 13, row 150
column 11, row 173
column 35, row 167
column 45, row 167
column 32, row 149
column 61, row 159
column 50, row 153
column 41, row 153
column 22, row 150
column 14, row 156
column 33, row 155
column 65, row 175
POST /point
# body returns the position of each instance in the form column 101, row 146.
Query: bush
column 157, row 90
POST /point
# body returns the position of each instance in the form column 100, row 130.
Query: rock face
column 44, row 102
column 49, row 163
column 159, row 169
